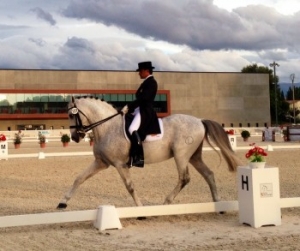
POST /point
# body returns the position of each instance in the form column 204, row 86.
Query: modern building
column 37, row 99
column 294, row 105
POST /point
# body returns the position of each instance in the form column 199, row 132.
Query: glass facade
column 56, row 103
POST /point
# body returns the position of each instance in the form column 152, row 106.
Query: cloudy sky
column 176, row 35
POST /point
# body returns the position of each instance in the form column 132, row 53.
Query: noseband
column 82, row 129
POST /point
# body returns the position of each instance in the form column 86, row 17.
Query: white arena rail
column 108, row 217
column 290, row 202
column 90, row 153
column 194, row 208
column 57, row 154
column 122, row 212
column 47, row 218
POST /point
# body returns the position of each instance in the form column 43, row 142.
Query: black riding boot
column 136, row 151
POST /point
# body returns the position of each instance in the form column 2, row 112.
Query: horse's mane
column 98, row 102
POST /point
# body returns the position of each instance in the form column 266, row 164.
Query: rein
column 85, row 128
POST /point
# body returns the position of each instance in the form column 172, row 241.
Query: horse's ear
column 73, row 99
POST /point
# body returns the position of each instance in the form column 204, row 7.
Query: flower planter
column 42, row 140
column 65, row 139
column 256, row 156
column 245, row 135
column 254, row 165
column 17, row 146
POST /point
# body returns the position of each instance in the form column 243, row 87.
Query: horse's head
column 76, row 122
column 84, row 114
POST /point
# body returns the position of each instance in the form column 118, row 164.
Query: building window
column 56, row 103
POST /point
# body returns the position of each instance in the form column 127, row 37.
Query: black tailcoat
column 145, row 96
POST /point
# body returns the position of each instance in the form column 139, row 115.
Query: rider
column 145, row 118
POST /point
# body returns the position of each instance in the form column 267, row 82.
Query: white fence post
column 3, row 150
column 232, row 140
column 107, row 218
column 258, row 196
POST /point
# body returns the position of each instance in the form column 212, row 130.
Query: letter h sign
column 245, row 182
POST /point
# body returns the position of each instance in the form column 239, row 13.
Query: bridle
column 82, row 129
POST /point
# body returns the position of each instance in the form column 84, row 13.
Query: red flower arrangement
column 256, row 154
column 2, row 137
column 230, row 132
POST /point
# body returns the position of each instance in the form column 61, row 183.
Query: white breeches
column 136, row 122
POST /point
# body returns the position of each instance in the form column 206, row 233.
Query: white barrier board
column 294, row 131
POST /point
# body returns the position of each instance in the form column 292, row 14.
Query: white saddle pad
column 150, row 137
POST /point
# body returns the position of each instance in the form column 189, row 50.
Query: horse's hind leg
column 94, row 168
column 183, row 179
column 207, row 174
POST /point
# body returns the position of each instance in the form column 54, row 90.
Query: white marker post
column 3, row 150
column 232, row 140
column 258, row 196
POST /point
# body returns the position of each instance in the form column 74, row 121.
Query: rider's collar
column 148, row 76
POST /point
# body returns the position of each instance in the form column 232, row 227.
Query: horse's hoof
column 222, row 212
column 61, row 206
column 141, row 218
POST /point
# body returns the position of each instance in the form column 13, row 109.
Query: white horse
column 183, row 139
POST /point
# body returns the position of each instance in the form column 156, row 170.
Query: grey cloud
column 198, row 24
column 11, row 30
column 46, row 16
column 38, row 41
column 274, row 55
column 76, row 53
column 79, row 44
column 26, row 54
column 11, row 27
column 81, row 54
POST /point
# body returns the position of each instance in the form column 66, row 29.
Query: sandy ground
column 32, row 185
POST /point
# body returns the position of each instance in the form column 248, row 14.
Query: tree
column 282, row 105
column 254, row 68
column 289, row 94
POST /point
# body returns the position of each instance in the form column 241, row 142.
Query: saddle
column 127, row 119
column 136, row 150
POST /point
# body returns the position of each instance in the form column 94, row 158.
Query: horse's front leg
column 125, row 175
column 94, row 168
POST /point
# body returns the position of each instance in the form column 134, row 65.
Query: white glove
column 124, row 110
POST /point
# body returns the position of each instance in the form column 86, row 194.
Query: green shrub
column 245, row 134
column 65, row 138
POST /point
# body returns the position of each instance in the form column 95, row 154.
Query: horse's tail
column 217, row 134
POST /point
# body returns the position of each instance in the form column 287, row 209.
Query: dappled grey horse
column 183, row 139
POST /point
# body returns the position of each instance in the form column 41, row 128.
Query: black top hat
column 145, row 66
